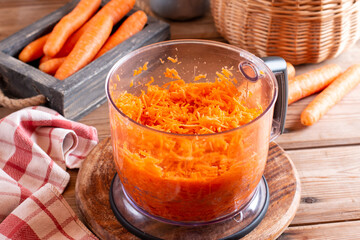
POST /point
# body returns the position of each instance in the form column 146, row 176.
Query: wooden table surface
column 326, row 155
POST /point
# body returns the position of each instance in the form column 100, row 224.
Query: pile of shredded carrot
column 189, row 108
column 194, row 177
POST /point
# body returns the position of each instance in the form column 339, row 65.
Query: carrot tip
column 307, row 119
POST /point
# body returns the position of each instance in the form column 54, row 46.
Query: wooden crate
column 83, row 91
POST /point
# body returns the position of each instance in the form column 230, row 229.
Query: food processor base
column 146, row 226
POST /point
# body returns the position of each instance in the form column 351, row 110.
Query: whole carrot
column 290, row 70
column 33, row 50
column 87, row 47
column 331, row 95
column 69, row 24
column 51, row 66
column 44, row 59
column 70, row 43
column 117, row 9
column 132, row 25
column 311, row 82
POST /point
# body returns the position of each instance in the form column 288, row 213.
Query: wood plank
column 99, row 118
column 330, row 184
column 18, row 14
column 330, row 231
column 340, row 126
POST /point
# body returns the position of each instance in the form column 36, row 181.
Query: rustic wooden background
column 326, row 155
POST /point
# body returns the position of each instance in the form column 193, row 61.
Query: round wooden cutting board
column 97, row 171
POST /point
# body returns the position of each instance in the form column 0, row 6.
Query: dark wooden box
column 83, row 91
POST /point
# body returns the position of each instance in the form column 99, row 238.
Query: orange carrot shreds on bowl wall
column 200, row 76
column 209, row 172
column 173, row 60
column 189, row 108
column 140, row 69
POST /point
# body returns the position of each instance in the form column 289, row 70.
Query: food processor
column 194, row 186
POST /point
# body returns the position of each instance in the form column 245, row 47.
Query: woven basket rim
column 300, row 31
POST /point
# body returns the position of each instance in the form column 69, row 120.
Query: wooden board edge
column 82, row 174
column 334, row 230
column 30, row 82
column 296, row 200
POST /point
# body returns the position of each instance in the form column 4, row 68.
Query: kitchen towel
column 37, row 144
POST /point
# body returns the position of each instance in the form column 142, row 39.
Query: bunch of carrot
column 333, row 84
column 83, row 35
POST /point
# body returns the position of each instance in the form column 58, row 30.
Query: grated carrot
column 140, row 69
column 171, row 73
column 145, row 66
column 150, row 82
column 226, row 72
column 201, row 177
column 173, row 60
column 200, row 76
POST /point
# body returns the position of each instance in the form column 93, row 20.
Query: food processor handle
column 278, row 66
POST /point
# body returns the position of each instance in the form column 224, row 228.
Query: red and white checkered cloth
column 36, row 146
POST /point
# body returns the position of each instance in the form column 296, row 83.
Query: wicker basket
column 300, row 31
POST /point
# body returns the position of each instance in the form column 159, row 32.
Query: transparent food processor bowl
column 145, row 158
